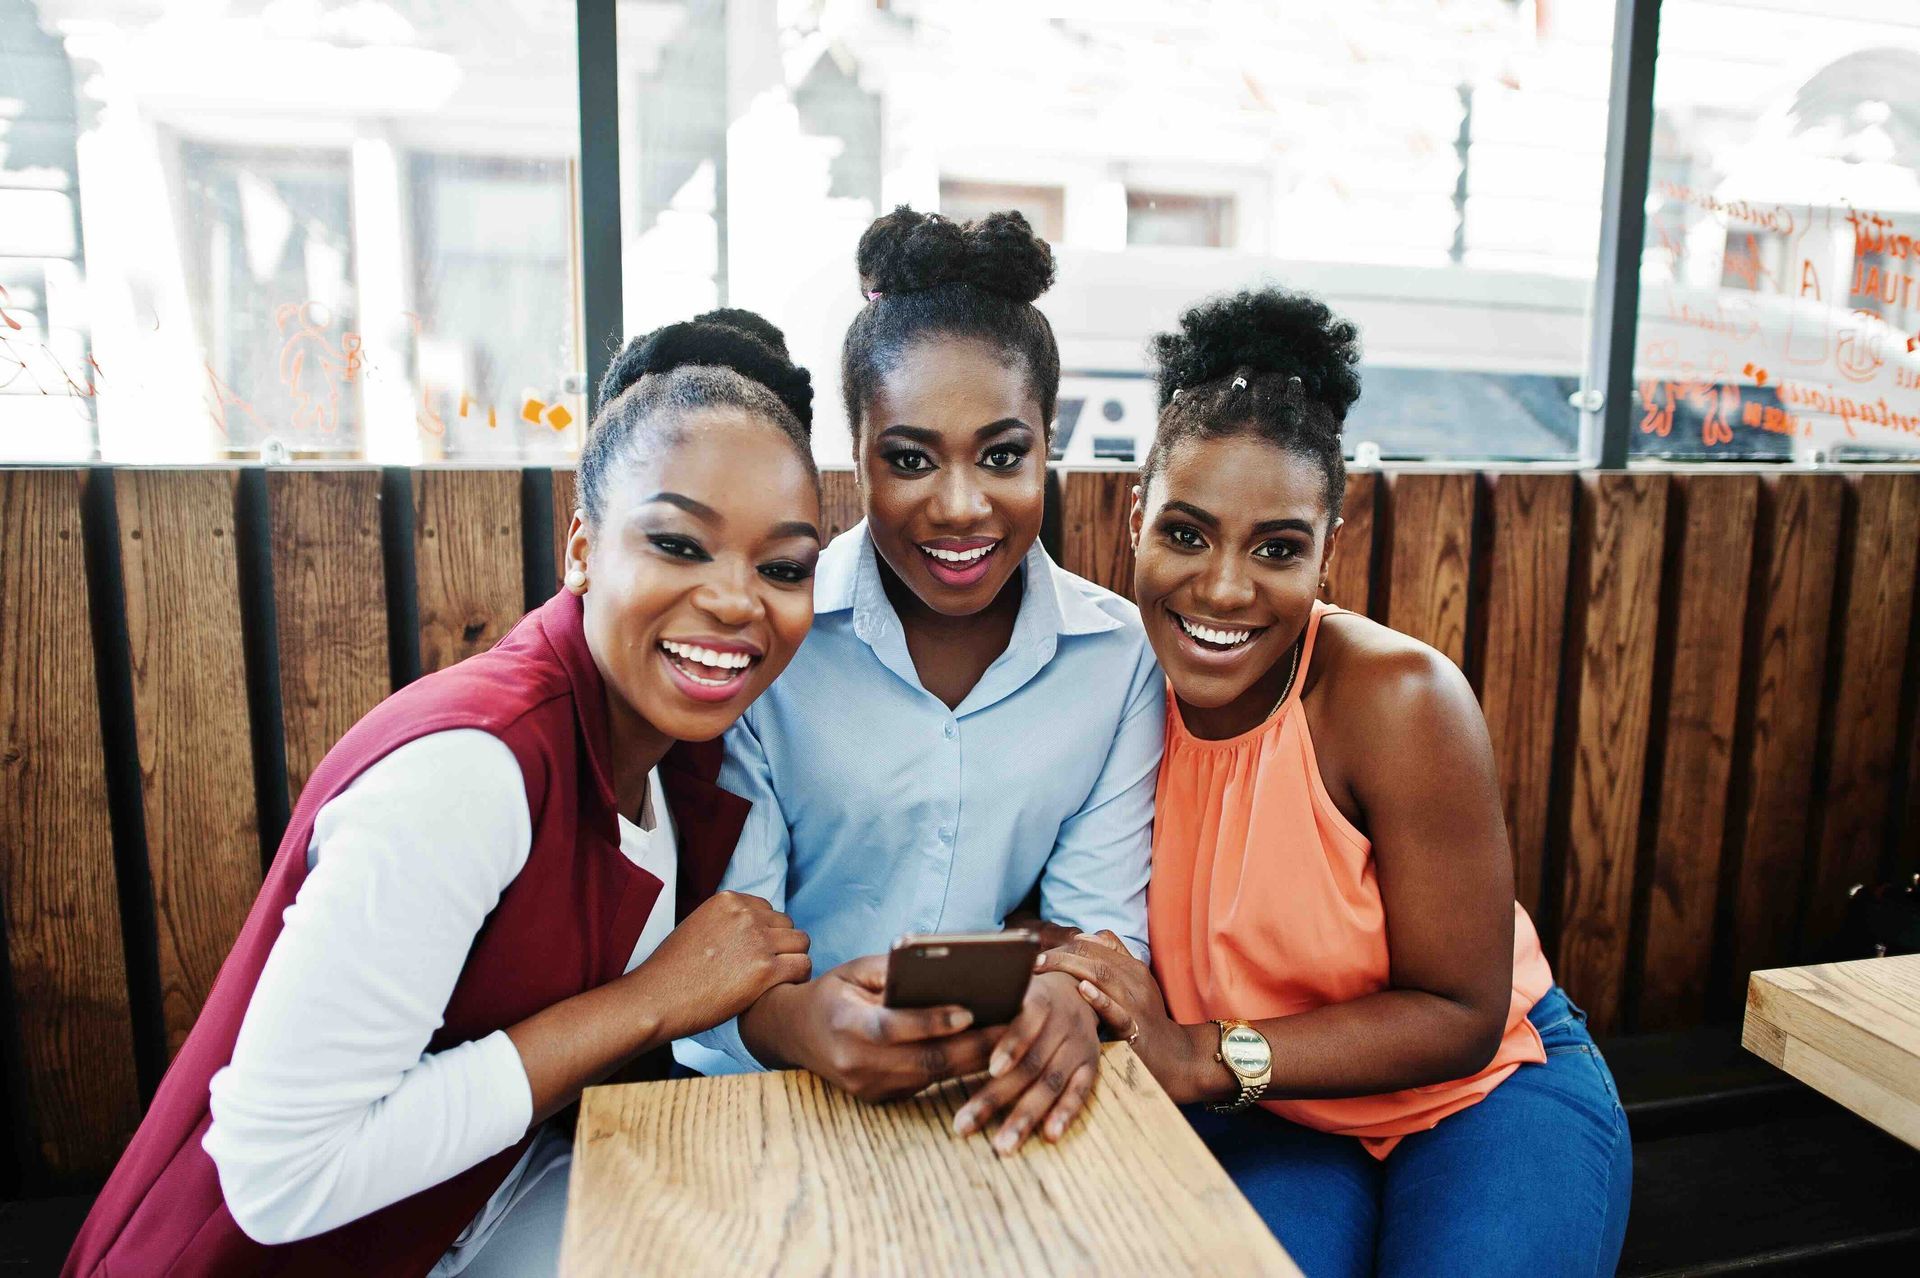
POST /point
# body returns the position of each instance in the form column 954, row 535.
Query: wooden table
column 1849, row 1030
column 782, row 1174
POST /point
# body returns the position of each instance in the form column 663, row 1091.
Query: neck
column 637, row 747
column 1248, row 710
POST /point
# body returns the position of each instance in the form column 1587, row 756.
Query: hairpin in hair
column 1295, row 385
column 1177, row 390
column 1239, row 383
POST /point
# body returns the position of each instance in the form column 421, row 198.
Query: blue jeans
column 1533, row 1180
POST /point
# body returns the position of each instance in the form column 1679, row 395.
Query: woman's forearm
column 1387, row 1041
column 578, row 1041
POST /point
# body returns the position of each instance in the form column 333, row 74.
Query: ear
column 1327, row 553
column 579, row 544
column 1136, row 517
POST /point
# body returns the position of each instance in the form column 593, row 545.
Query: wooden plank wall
column 1699, row 687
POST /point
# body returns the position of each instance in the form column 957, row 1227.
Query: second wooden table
column 782, row 1174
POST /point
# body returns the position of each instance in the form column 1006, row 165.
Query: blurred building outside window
column 294, row 228
column 1434, row 171
column 345, row 228
column 1780, row 282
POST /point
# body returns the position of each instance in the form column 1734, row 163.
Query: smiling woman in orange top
column 1344, row 976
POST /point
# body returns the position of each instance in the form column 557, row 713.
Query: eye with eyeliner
column 1013, row 453
column 899, row 459
column 1283, row 551
column 675, row 546
column 1184, row 536
column 787, row 572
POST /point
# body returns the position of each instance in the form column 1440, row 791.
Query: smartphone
column 984, row 972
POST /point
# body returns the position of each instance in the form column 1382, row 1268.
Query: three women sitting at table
column 473, row 913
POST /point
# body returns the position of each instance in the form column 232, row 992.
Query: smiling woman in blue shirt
column 967, row 721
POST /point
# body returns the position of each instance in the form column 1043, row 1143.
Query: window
column 292, row 230
column 1780, row 283
column 1433, row 171
column 1044, row 206
column 1197, row 221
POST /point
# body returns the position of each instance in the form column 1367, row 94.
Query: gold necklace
column 1292, row 670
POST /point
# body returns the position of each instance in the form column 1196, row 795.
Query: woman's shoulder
column 1374, row 673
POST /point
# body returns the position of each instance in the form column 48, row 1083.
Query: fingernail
column 998, row 1065
column 960, row 1019
column 1007, row 1139
column 1089, row 988
column 1055, row 1127
column 1040, row 962
column 963, row 1122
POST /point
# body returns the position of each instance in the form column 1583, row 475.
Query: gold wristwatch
column 1245, row 1051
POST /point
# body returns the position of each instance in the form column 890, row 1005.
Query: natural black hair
column 1266, row 362
column 727, row 358
column 925, row 275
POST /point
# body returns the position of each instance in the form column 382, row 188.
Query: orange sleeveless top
column 1263, row 903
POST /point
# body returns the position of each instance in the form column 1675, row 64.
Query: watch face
column 1246, row 1051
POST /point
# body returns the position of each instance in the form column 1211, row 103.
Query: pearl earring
column 577, row 581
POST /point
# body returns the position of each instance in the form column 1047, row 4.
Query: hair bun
column 732, row 338
column 907, row 252
column 1263, row 331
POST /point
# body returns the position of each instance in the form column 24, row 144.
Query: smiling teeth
column 959, row 556
column 708, row 657
column 1225, row 638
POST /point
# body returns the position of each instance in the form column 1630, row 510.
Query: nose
column 958, row 500
column 1224, row 586
column 730, row 594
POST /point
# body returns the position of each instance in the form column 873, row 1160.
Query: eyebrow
column 698, row 509
column 927, row 435
column 1264, row 526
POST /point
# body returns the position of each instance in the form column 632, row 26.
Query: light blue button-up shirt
column 878, row 811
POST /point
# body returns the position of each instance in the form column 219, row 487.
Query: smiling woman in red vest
column 473, row 913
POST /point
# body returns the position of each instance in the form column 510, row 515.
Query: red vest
column 566, row 924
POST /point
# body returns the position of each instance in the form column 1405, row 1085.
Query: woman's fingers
column 1117, row 1018
column 1108, row 939
column 1071, row 1101
column 1081, row 966
column 1033, row 1105
column 896, row 1025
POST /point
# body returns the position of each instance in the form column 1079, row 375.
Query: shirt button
column 949, row 730
column 946, row 835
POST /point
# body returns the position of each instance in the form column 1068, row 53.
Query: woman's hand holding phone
column 839, row 1027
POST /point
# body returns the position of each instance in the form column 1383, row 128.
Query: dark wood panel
column 466, row 545
column 1528, row 553
column 1430, row 567
column 330, row 607
column 1851, row 812
column 564, row 500
column 1095, row 506
column 180, row 571
column 1799, row 539
column 839, row 503
column 74, row 1078
column 1351, row 576
column 1714, row 563
column 1620, row 534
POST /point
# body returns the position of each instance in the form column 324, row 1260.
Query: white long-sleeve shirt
column 331, row 1107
